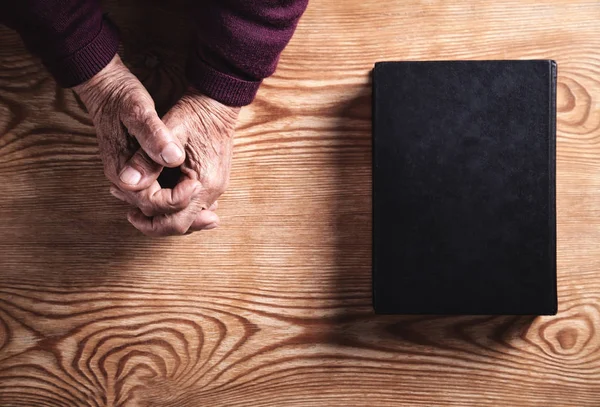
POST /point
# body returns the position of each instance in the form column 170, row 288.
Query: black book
column 464, row 214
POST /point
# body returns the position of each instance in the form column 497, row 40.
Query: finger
column 155, row 200
column 154, row 137
column 168, row 201
column 205, row 220
column 115, row 149
column 162, row 225
column 214, row 206
column 139, row 172
column 118, row 194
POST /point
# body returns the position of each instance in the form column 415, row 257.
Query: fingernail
column 116, row 194
column 130, row 176
column 211, row 226
column 171, row 153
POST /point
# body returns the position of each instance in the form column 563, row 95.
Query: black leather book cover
column 464, row 218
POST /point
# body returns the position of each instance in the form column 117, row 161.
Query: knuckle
column 161, row 204
column 146, row 208
column 175, row 203
column 170, row 201
column 139, row 111
column 150, row 124
column 147, row 212
column 179, row 228
column 216, row 185
column 156, row 229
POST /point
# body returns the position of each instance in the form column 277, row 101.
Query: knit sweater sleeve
column 237, row 45
column 237, row 42
column 72, row 37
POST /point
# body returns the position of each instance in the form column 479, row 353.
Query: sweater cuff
column 224, row 88
column 87, row 61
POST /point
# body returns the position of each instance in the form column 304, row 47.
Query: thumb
column 154, row 137
column 139, row 172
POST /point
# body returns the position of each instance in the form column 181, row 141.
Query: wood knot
column 565, row 99
column 574, row 106
column 566, row 338
column 569, row 335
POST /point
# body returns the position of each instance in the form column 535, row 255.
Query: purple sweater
column 237, row 44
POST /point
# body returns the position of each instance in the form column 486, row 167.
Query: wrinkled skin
column 196, row 135
column 205, row 127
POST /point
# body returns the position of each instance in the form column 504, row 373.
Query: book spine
column 552, row 176
column 374, row 297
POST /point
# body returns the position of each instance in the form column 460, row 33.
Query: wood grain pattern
column 274, row 308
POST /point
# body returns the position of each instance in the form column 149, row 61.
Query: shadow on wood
column 356, row 325
column 57, row 183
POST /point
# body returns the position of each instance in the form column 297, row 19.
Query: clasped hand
column 195, row 135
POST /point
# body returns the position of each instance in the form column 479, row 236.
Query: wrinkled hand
column 119, row 104
column 205, row 128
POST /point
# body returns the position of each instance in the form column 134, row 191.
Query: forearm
column 238, row 43
column 72, row 37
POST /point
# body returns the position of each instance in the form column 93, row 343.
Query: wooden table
column 274, row 307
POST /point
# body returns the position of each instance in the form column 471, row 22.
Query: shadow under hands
column 58, row 222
